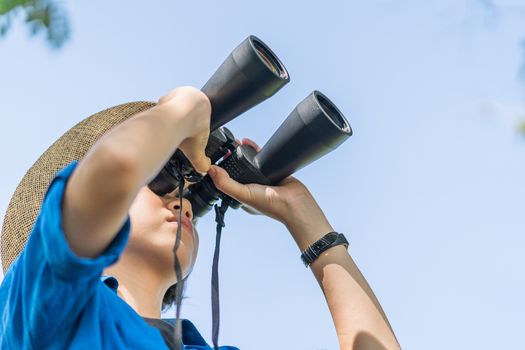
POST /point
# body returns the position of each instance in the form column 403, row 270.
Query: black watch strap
column 329, row 240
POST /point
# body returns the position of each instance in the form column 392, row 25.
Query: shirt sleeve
column 51, row 286
column 57, row 253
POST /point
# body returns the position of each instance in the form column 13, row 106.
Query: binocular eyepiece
column 249, row 75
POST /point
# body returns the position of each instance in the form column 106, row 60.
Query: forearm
column 359, row 321
column 358, row 317
column 144, row 143
column 107, row 179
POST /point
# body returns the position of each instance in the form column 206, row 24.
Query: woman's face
column 154, row 222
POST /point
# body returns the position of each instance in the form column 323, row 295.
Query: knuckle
column 219, row 182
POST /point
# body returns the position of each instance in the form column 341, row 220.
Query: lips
column 185, row 222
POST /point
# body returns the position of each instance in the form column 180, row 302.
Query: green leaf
column 521, row 127
column 40, row 16
column 9, row 5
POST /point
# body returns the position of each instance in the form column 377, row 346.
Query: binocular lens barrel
column 314, row 128
column 269, row 58
column 249, row 75
column 332, row 112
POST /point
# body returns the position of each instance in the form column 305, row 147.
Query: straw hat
column 25, row 204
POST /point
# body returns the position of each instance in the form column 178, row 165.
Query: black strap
column 180, row 281
column 219, row 219
column 331, row 239
column 165, row 328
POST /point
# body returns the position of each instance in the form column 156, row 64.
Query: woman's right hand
column 196, row 107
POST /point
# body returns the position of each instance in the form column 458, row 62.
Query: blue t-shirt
column 52, row 299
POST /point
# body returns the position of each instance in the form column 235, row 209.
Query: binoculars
column 251, row 74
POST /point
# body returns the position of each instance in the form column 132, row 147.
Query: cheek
column 145, row 213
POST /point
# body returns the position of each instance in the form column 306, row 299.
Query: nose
column 174, row 205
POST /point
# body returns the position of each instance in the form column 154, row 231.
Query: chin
column 185, row 259
column 187, row 252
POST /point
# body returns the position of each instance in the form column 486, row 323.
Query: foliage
column 521, row 128
column 40, row 15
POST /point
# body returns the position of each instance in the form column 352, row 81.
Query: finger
column 202, row 165
column 194, row 150
column 226, row 184
column 198, row 159
column 246, row 141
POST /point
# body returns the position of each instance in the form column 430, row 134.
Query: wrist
column 308, row 227
column 177, row 116
column 189, row 109
column 330, row 240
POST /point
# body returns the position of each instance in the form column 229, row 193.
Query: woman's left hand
column 289, row 202
column 268, row 200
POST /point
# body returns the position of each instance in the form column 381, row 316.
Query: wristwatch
column 329, row 240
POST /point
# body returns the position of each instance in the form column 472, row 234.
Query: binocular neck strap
column 180, row 281
column 219, row 219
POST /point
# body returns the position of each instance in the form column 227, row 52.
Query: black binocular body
column 251, row 74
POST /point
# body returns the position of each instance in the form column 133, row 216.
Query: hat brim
column 25, row 204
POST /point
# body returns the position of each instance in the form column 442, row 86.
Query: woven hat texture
column 25, row 203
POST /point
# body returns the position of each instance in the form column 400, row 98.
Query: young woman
column 99, row 218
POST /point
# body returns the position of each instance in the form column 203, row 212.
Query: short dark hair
column 169, row 297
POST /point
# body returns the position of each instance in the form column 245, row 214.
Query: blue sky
column 429, row 190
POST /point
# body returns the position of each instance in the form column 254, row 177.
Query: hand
column 290, row 202
column 195, row 107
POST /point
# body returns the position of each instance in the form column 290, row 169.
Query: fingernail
column 212, row 171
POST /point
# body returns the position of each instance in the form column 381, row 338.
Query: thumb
column 232, row 188
column 198, row 159
column 202, row 164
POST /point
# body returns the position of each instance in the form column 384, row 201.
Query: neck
column 140, row 285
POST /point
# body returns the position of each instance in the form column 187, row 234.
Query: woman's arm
column 106, row 181
column 359, row 320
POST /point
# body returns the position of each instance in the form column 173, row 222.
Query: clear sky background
column 429, row 190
